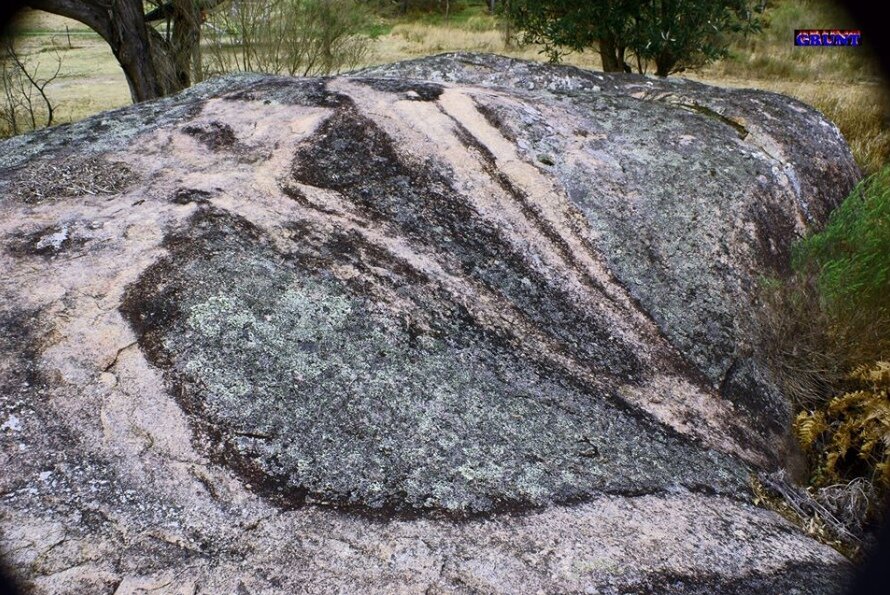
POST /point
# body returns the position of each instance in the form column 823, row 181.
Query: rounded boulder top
column 504, row 307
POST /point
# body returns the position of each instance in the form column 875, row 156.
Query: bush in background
column 672, row 34
column 24, row 102
column 851, row 259
column 295, row 37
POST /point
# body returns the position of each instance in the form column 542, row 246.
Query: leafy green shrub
column 851, row 256
column 850, row 260
column 833, row 314
column 674, row 35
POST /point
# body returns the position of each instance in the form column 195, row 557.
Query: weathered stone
column 452, row 325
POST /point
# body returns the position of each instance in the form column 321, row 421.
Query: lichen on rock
column 336, row 401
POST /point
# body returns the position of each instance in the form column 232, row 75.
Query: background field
column 845, row 84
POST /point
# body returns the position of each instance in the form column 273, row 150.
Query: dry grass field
column 843, row 83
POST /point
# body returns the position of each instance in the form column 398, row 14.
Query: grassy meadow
column 844, row 84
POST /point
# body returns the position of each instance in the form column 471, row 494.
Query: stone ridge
column 459, row 324
column 669, row 255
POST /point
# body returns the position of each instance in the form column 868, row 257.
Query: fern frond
column 876, row 374
column 809, row 426
column 847, row 401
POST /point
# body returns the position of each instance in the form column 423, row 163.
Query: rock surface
column 461, row 324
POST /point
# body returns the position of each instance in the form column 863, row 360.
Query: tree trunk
column 164, row 62
column 508, row 25
column 185, row 39
column 621, row 54
column 609, row 56
column 142, row 53
column 121, row 23
column 664, row 64
column 129, row 43
column 197, row 64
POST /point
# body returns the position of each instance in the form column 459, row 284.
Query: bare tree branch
column 36, row 83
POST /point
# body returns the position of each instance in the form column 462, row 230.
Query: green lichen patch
column 321, row 393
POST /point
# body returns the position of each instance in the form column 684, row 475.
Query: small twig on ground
column 806, row 507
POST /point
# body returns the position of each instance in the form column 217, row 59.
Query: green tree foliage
column 677, row 34
column 673, row 34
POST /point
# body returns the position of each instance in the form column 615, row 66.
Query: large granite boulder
column 461, row 324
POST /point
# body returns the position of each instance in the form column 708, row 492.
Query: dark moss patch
column 803, row 578
column 493, row 117
column 184, row 196
column 297, row 195
column 21, row 344
column 319, row 250
column 216, row 135
column 289, row 91
column 413, row 90
column 48, row 242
